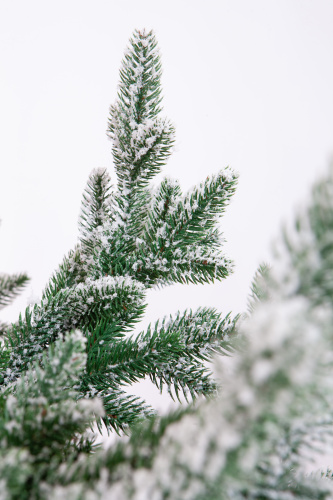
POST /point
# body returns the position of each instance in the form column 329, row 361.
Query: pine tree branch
column 178, row 242
column 10, row 286
column 198, row 210
column 171, row 353
column 132, row 239
column 3, row 327
column 70, row 273
column 96, row 211
column 139, row 452
column 259, row 288
column 122, row 411
column 162, row 206
column 42, row 419
column 118, row 300
column 141, row 140
column 161, row 266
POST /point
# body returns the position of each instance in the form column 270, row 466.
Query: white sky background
column 246, row 83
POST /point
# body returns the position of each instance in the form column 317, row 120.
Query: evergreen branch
column 131, row 214
column 122, row 411
column 199, row 335
column 184, row 378
column 189, row 221
column 192, row 264
column 105, row 333
column 3, row 327
column 200, row 207
column 141, row 140
column 171, row 353
column 116, row 241
column 141, row 69
column 148, row 246
column 162, row 206
column 160, row 264
column 140, row 156
column 139, row 451
column 41, row 420
column 243, row 444
column 71, row 272
column 259, row 288
column 313, row 255
column 162, row 255
column 96, row 210
column 204, row 332
column 10, row 286
column 37, row 393
column 118, row 300
column 306, row 249
column 4, row 361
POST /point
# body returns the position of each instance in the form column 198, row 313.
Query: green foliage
column 259, row 289
column 10, row 286
column 257, row 439
column 42, row 422
column 272, row 404
column 142, row 140
column 132, row 238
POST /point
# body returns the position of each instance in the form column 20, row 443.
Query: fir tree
column 250, row 441
column 133, row 237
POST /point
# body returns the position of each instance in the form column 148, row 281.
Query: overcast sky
column 247, row 84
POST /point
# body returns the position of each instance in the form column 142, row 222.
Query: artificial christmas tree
column 66, row 360
column 131, row 238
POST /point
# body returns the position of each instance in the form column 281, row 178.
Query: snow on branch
column 10, row 286
column 142, row 141
column 43, row 417
column 96, row 208
column 118, row 299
